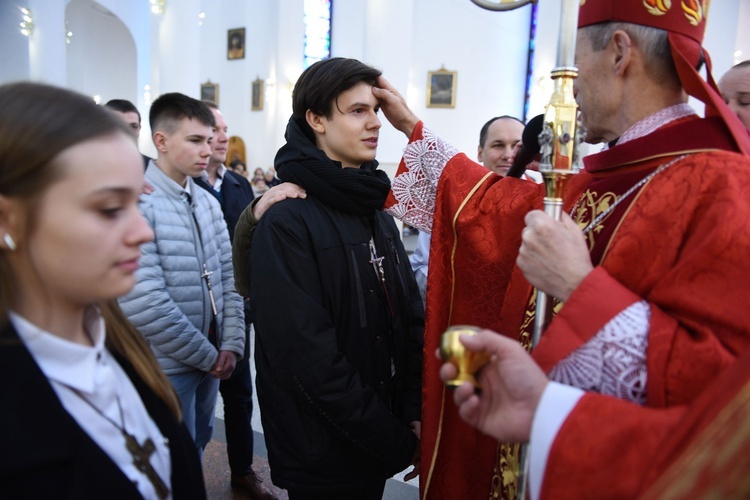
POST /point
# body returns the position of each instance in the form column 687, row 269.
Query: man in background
column 735, row 89
column 127, row 111
column 498, row 144
column 234, row 194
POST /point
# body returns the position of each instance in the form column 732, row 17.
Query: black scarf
column 355, row 190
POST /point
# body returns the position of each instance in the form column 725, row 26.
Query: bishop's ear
column 622, row 51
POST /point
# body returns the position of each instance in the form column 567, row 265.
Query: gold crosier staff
column 560, row 158
column 559, row 144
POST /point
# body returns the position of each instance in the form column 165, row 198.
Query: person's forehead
column 506, row 127
column 129, row 116
column 192, row 126
column 218, row 117
column 737, row 76
column 361, row 92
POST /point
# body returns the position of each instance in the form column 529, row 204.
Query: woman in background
column 270, row 178
column 238, row 167
column 86, row 411
column 259, row 186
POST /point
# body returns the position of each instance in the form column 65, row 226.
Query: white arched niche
column 101, row 55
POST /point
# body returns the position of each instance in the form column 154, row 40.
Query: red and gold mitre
column 685, row 23
column 686, row 17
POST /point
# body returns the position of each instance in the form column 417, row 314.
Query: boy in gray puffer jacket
column 184, row 302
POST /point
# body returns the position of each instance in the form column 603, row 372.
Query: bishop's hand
column 512, row 385
column 553, row 256
column 394, row 107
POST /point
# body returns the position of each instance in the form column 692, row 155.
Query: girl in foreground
column 86, row 411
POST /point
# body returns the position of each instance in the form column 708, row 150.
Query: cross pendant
column 141, row 459
column 207, row 276
column 377, row 262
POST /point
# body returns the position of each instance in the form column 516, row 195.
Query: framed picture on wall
column 236, row 43
column 441, row 88
column 256, row 99
column 210, row 92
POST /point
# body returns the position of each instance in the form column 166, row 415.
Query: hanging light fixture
column 27, row 23
column 158, row 6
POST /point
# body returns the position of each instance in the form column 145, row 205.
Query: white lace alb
column 415, row 189
column 613, row 362
column 653, row 122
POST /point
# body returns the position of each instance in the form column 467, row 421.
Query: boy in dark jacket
column 339, row 318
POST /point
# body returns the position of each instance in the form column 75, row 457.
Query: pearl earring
column 9, row 242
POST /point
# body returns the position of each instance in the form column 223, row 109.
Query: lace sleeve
column 612, row 362
column 415, row 185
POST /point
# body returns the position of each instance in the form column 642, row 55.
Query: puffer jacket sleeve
column 233, row 322
column 153, row 311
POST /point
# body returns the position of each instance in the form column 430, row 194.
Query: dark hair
column 168, row 109
column 210, row 104
column 37, row 124
column 37, row 114
column 236, row 163
column 123, row 106
column 486, row 127
column 320, row 85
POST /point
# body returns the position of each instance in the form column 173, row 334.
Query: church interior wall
column 143, row 55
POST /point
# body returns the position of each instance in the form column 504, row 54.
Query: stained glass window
column 530, row 61
column 317, row 31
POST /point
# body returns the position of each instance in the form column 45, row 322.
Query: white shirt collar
column 220, row 173
column 67, row 362
column 188, row 188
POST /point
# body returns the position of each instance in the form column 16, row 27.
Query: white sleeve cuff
column 557, row 402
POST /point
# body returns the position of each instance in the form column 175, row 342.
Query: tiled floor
column 216, row 473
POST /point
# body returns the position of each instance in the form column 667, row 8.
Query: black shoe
column 251, row 484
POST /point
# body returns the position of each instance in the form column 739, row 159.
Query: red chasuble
column 680, row 242
column 700, row 451
column 470, row 267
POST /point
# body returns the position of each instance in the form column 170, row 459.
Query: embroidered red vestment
column 691, row 452
column 470, row 267
column 679, row 243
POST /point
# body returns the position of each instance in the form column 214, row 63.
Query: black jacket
column 46, row 454
column 234, row 196
column 338, row 374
